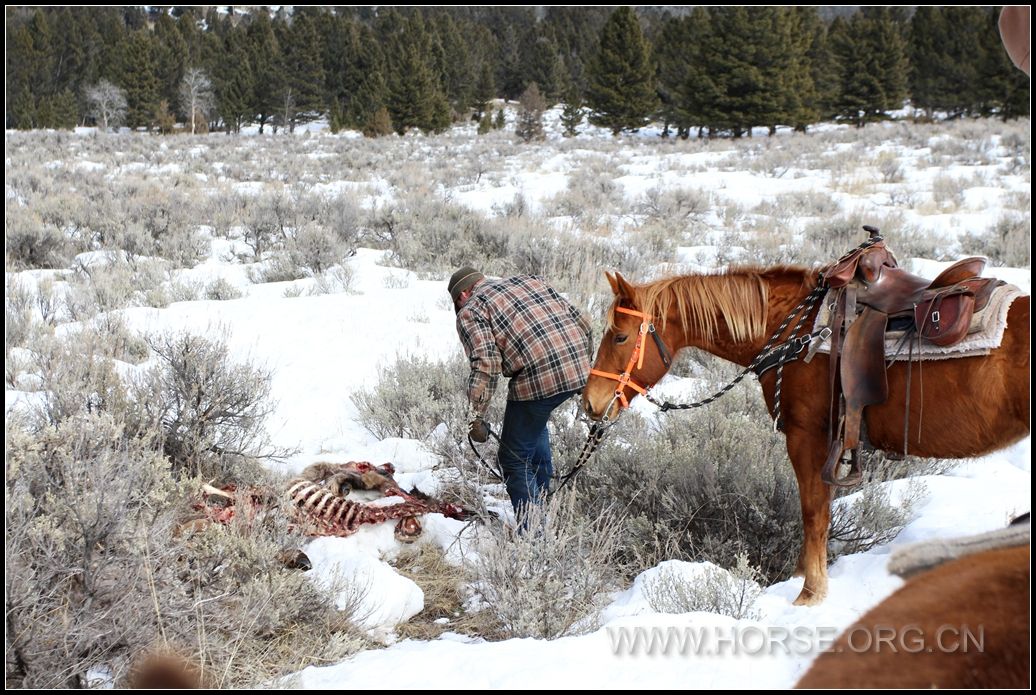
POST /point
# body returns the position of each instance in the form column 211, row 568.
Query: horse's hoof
column 810, row 598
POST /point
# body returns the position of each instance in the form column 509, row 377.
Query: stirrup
column 834, row 458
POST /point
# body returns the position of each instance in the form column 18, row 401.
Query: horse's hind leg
column 807, row 457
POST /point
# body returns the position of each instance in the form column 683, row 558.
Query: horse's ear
column 611, row 281
column 621, row 288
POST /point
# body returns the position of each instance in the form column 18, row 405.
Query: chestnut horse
column 933, row 639
column 963, row 407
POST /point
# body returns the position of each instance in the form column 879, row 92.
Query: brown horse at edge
column 958, row 408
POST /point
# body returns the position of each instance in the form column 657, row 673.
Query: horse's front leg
column 806, row 449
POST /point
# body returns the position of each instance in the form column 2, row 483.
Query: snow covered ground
column 321, row 349
column 349, row 336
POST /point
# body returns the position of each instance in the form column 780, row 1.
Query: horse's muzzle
column 610, row 410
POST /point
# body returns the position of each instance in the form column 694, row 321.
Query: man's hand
column 478, row 430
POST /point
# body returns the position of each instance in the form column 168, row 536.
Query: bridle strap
column 636, row 358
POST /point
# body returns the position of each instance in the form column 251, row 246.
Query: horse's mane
column 737, row 297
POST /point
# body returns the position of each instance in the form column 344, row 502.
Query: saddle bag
column 944, row 319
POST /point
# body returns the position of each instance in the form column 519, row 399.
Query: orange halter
column 637, row 357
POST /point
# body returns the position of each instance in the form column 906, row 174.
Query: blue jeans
column 525, row 449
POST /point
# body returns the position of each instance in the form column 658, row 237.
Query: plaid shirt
column 522, row 328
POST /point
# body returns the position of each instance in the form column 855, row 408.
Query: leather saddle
column 872, row 291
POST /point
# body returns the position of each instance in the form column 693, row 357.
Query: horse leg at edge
column 807, row 457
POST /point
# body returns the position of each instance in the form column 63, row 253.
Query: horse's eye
column 621, row 338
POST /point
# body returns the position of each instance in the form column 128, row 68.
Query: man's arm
column 484, row 356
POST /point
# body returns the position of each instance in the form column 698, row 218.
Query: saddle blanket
column 984, row 336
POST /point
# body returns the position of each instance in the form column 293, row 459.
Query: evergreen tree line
column 722, row 70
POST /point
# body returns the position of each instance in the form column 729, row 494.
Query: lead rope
column 593, row 439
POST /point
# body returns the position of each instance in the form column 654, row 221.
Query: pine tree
column 138, row 75
column 41, row 72
column 482, row 46
column 335, row 119
column 823, row 69
column 572, row 114
column 868, row 89
column 336, row 32
column 674, row 53
column 76, row 57
column 58, row 111
column 517, row 52
column 529, row 125
column 21, row 54
column 22, row 109
column 234, row 82
column 170, row 52
column 543, row 63
column 485, row 124
column 193, row 39
column 577, row 31
column 414, row 98
column 500, row 121
column 799, row 90
column 484, row 91
column 457, row 72
column 371, row 96
column 163, row 118
column 267, row 62
column 621, row 90
column 304, row 70
column 888, row 47
column 363, row 76
column 780, row 57
column 698, row 97
column 739, row 80
column 927, row 45
column 111, row 29
column 33, row 73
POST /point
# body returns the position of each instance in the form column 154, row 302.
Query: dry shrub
column 732, row 593
column 212, row 410
column 552, row 579
column 96, row 570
